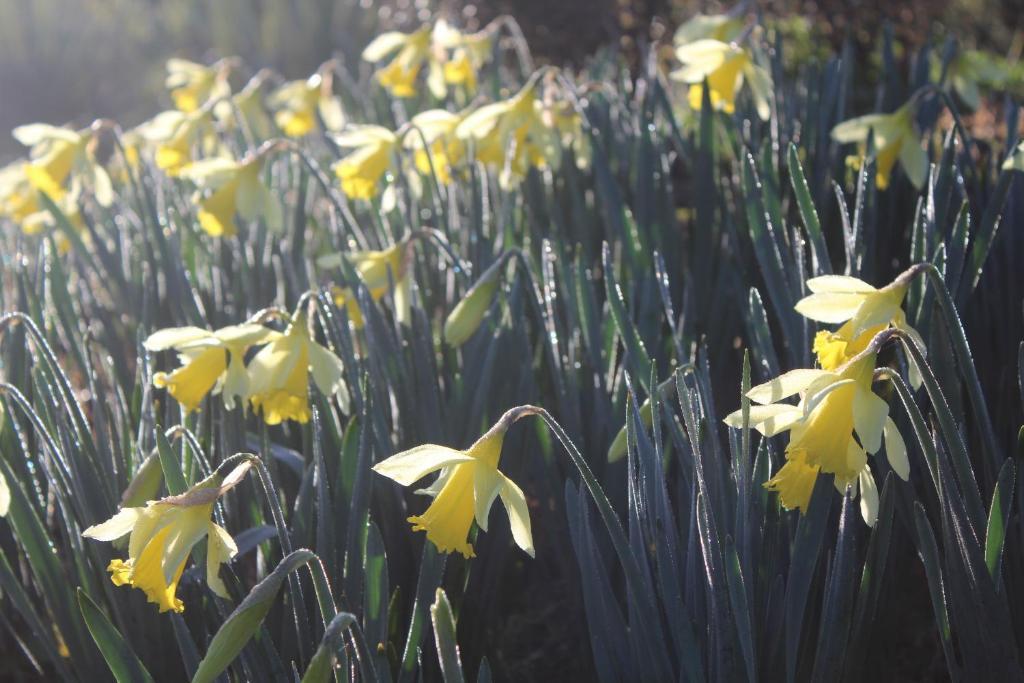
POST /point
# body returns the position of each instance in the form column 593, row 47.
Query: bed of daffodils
column 731, row 341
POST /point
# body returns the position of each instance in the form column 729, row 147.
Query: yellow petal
column 220, row 548
column 190, row 383
column 785, row 385
column 412, row 465
column 896, row 450
column 117, row 526
column 518, row 514
column 830, row 307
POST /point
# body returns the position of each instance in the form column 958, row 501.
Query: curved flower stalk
column 512, row 135
column 63, row 160
column 162, row 535
column 210, row 361
column 895, row 137
column 468, row 484
column 378, row 270
column 362, row 171
column 297, row 104
column 228, row 187
column 864, row 312
column 192, row 85
column 279, row 373
column 836, row 424
column 726, row 67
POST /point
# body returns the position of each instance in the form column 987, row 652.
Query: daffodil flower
column 18, row 197
column 432, row 139
column 162, row 535
column 837, row 423
column 210, row 361
column 296, row 105
column 361, row 171
column 279, row 375
column 721, row 27
column 726, row 67
column 465, row 490
column 233, row 187
column 377, row 269
column 895, row 137
column 511, row 135
column 411, row 51
column 176, row 136
column 61, row 157
column 192, row 85
column 864, row 312
column 248, row 103
column 469, row 51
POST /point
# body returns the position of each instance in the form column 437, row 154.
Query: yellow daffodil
column 469, row 51
column 726, row 67
column 411, row 51
column 721, row 27
column 210, row 361
column 61, row 157
column 192, row 85
column 177, row 135
column 233, row 187
column 864, row 312
column 279, row 375
column 296, row 105
column 248, row 104
column 465, row 490
column 895, row 137
column 434, row 130
column 18, row 197
column 511, row 135
column 162, row 534
column 837, row 423
column 377, row 269
column 361, row 171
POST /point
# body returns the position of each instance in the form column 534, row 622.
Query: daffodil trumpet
column 468, row 484
column 163, row 533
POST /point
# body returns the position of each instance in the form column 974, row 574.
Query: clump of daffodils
column 275, row 382
column 525, row 131
column 467, row 486
column 449, row 56
column 895, row 136
column 162, row 534
column 838, row 420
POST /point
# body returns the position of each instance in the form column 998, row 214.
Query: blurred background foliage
column 71, row 61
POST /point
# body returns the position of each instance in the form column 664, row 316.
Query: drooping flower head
column 297, row 104
column 192, row 85
column 162, row 535
column 838, row 422
column 229, row 187
column 512, row 135
column 434, row 144
column 62, row 160
column 279, row 374
column 465, row 490
column 864, row 311
column 721, row 27
column 177, row 136
column 411, row 51
column 726, row 67
column 210, row 361
column 895, row 137
column 378, row 270
column 361, row 171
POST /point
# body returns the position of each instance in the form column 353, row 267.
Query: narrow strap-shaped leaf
column 122, row 661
